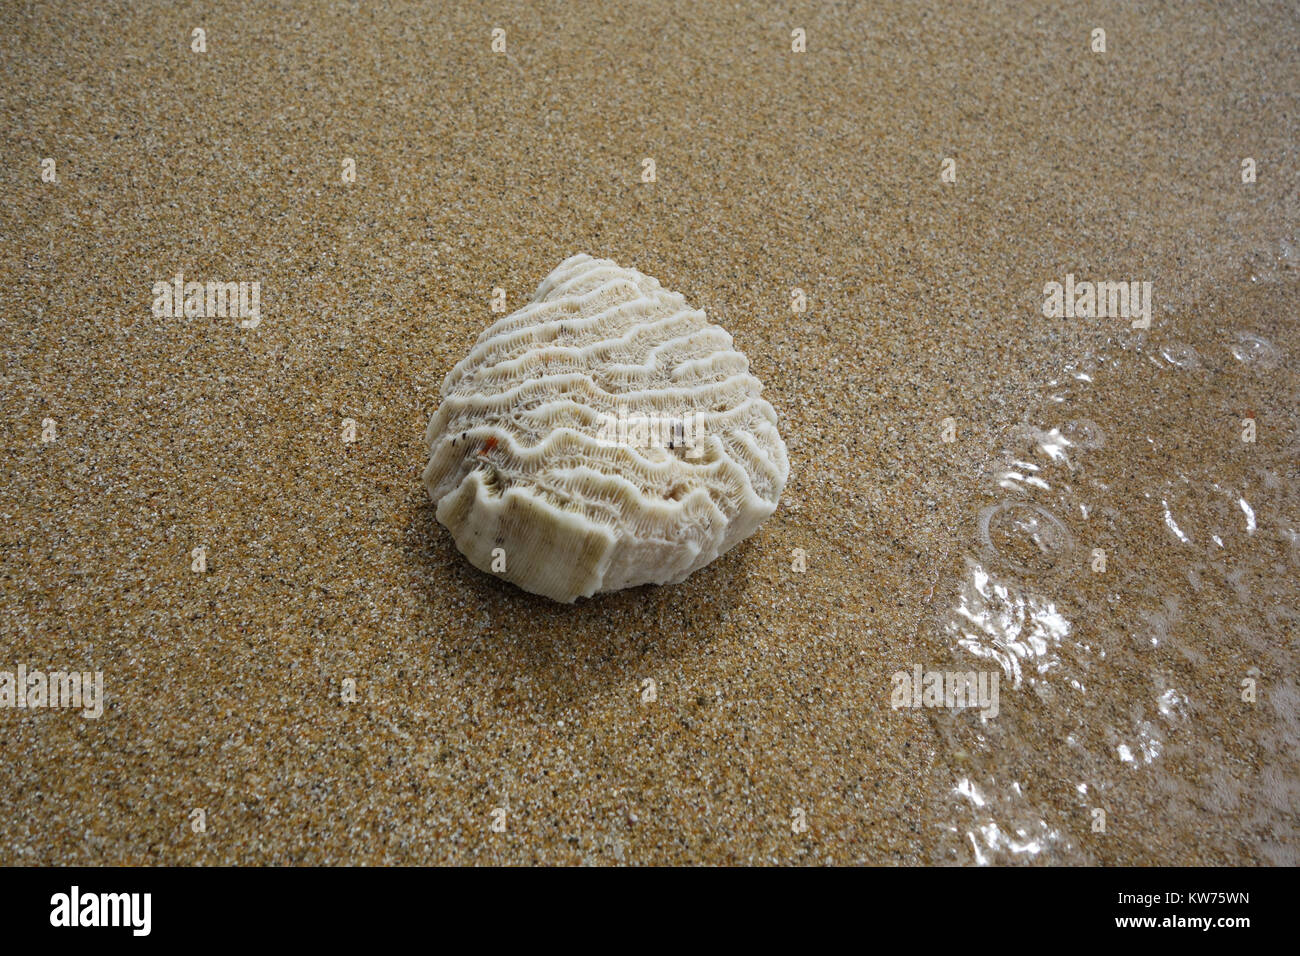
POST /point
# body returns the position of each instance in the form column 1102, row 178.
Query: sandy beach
column 328, row 681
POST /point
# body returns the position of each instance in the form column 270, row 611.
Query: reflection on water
column 1255, row 350
column 998, row 621
column 1130, row 570
column 990, row 842
column 1025, row 537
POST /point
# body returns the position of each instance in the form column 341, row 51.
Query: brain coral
column 603, row 436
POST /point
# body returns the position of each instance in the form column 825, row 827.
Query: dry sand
column 818, row 170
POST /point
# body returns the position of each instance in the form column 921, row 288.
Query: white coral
column 603, row 436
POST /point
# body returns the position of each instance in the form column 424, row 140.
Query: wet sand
column 818, row 170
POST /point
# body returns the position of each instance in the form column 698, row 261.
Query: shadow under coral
column 565, row 652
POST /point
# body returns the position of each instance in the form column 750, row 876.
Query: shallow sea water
column 1149, row 706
